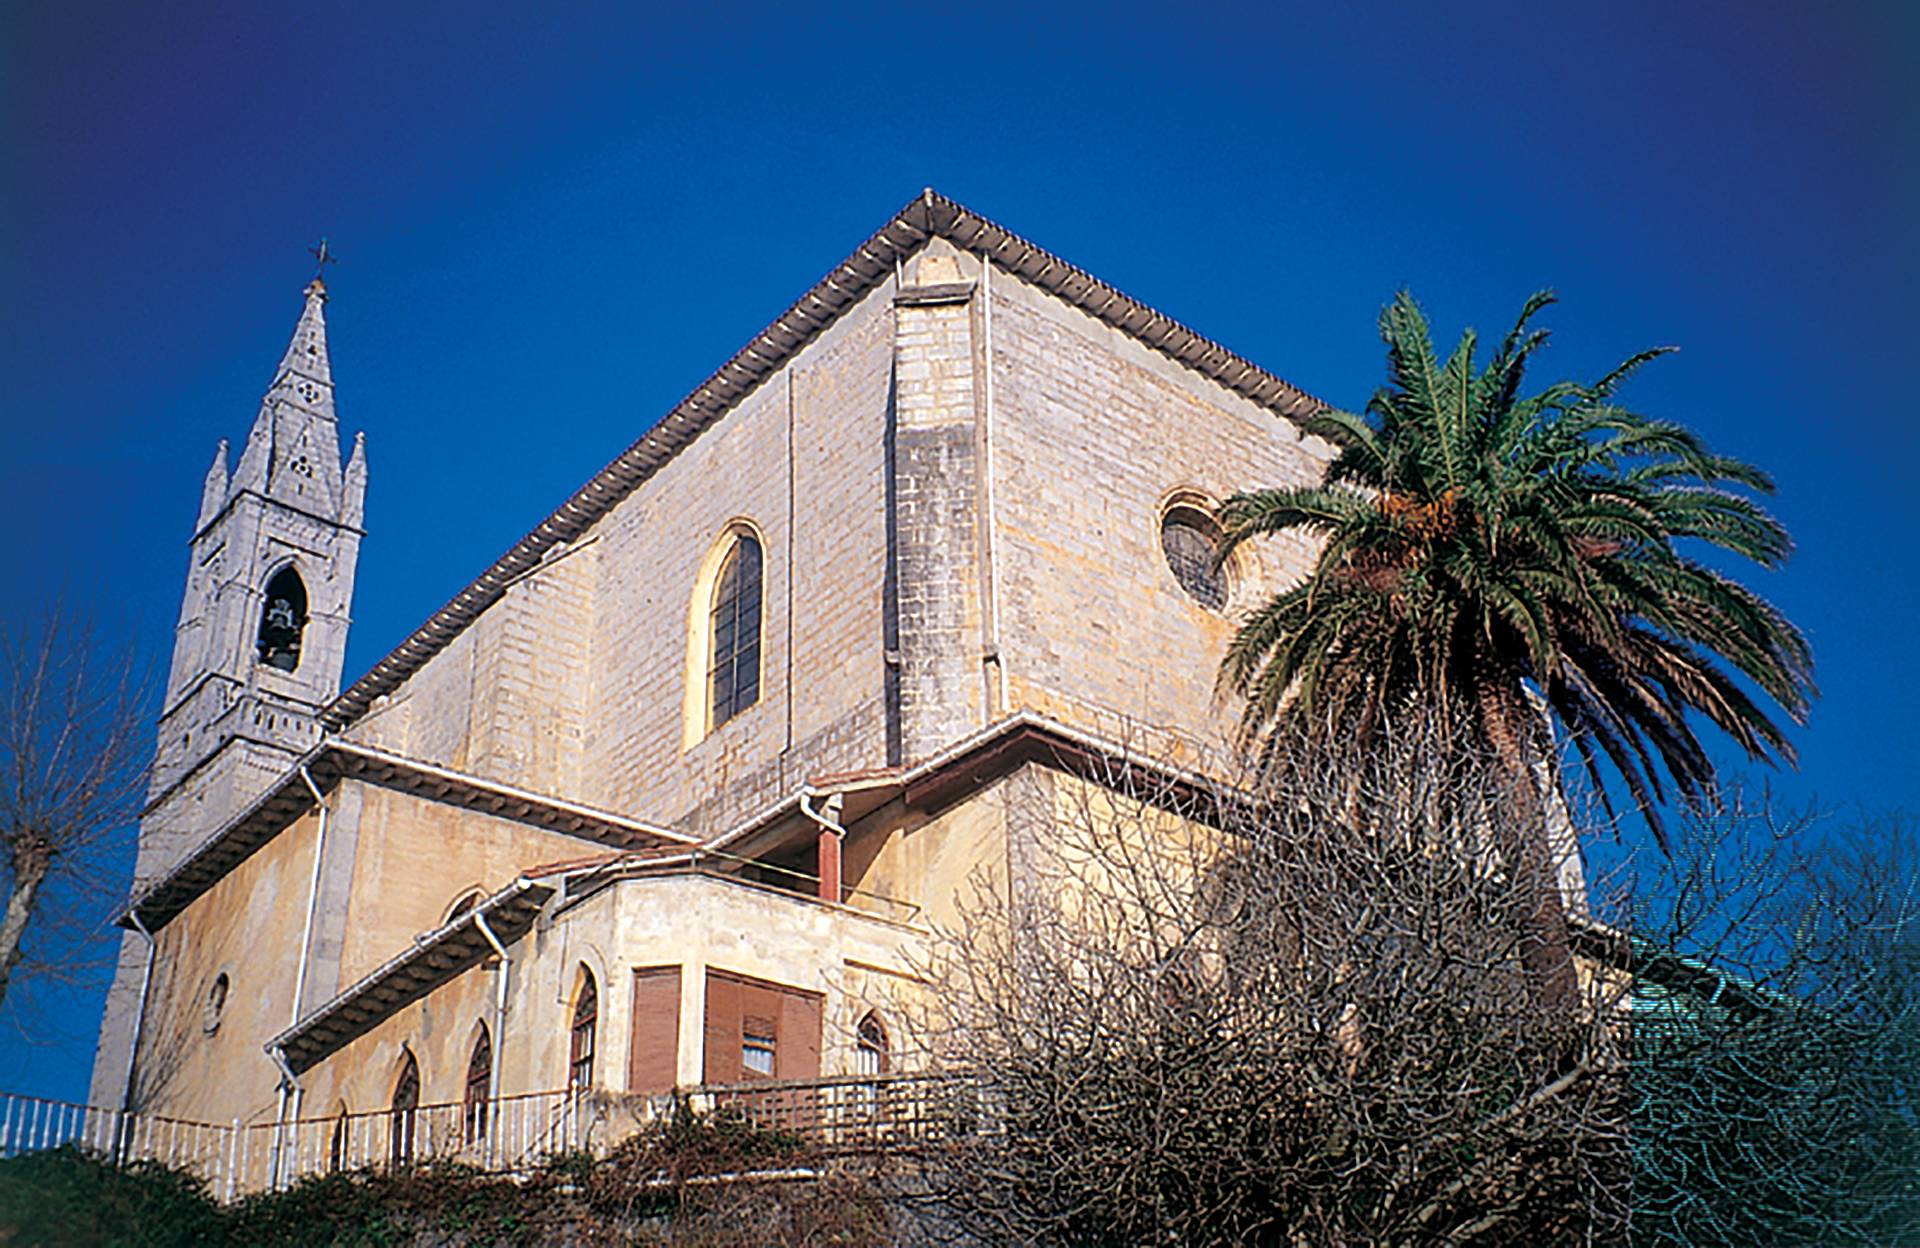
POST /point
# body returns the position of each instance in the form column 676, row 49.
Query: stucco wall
column 933, row 861
column 413, row 859
column 248, row 925
column 695, row 922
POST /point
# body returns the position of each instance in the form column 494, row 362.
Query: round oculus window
column 1191, row 542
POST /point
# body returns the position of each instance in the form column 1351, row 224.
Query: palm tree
column 1487, row 552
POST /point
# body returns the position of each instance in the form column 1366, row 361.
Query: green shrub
column 66, row 1196
column 696, row 1181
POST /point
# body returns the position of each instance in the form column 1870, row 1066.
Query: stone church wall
column 575, row 682
column 801, row 461
column 1094, row 435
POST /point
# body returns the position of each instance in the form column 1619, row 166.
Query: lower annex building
column 668, row 794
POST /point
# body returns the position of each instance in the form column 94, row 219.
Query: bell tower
column 262, row 636
column 263, row 624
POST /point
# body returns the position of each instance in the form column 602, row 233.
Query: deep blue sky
column 551, row 231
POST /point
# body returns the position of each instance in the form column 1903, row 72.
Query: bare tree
column 1299, row 1010
column 1776, row 1025
column 1293, row 1013
column 73, row 753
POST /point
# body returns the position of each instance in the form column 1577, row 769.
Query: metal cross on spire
column 322, row 256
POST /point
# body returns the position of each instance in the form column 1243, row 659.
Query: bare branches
column 1301, row 1009
column 1297, row 1012
column 73, row 749
column 1776, row 1056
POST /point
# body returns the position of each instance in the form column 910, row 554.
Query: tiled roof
column 434, row 958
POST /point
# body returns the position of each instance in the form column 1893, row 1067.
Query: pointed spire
column 257, row 456
column 293, row 450
column 213, row 495
column 307, row 353
column 353, row 494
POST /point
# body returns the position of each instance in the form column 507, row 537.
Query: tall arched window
column 871, row 1052
column 733, row 668
column 337, row 1146
column 872, row 1057
column 282, row 620
column 586, row 1021
column 406, row 1101
column 479, row 1086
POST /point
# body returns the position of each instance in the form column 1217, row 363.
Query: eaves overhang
column 929, row 215
column 990, row 752
column 435, row 958
column 332, row 761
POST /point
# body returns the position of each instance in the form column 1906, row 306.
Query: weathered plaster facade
column 955, row 455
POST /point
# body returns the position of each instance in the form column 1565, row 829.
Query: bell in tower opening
column 282, row 620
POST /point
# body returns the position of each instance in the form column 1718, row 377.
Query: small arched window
column 586, row 1021
column 406, row 1103
column 465, row 905
column 872, row 1055
column 479, row 1086
column 733, row 668
column 282, row 620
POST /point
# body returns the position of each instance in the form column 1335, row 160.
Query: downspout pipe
column 289, row 1089
column 833, row 838
column 499, row 1018
column 313, row 895
column 139, row 1027
column 990, row 622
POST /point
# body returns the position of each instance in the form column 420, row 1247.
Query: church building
column 671, row 793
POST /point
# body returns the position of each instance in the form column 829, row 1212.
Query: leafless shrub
column 1302, row 1011
column 1776, row 1034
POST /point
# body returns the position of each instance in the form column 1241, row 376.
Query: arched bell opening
column 282, row 620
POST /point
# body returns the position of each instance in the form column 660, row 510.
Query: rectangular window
column 759, row 1039
column 653, row 1054
column 760, row 1030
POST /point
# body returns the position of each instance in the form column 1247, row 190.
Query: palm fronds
column 1473, row 532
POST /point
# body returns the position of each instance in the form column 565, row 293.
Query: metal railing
column 508, row 1134
column 504, row 1134
column 30, row 1124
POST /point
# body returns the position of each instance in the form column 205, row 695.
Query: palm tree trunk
column 1506, row 723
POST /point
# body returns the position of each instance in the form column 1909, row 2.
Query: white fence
column 30, row 1124
column 507, row 1134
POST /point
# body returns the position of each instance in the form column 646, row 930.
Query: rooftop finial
column 322, row 257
